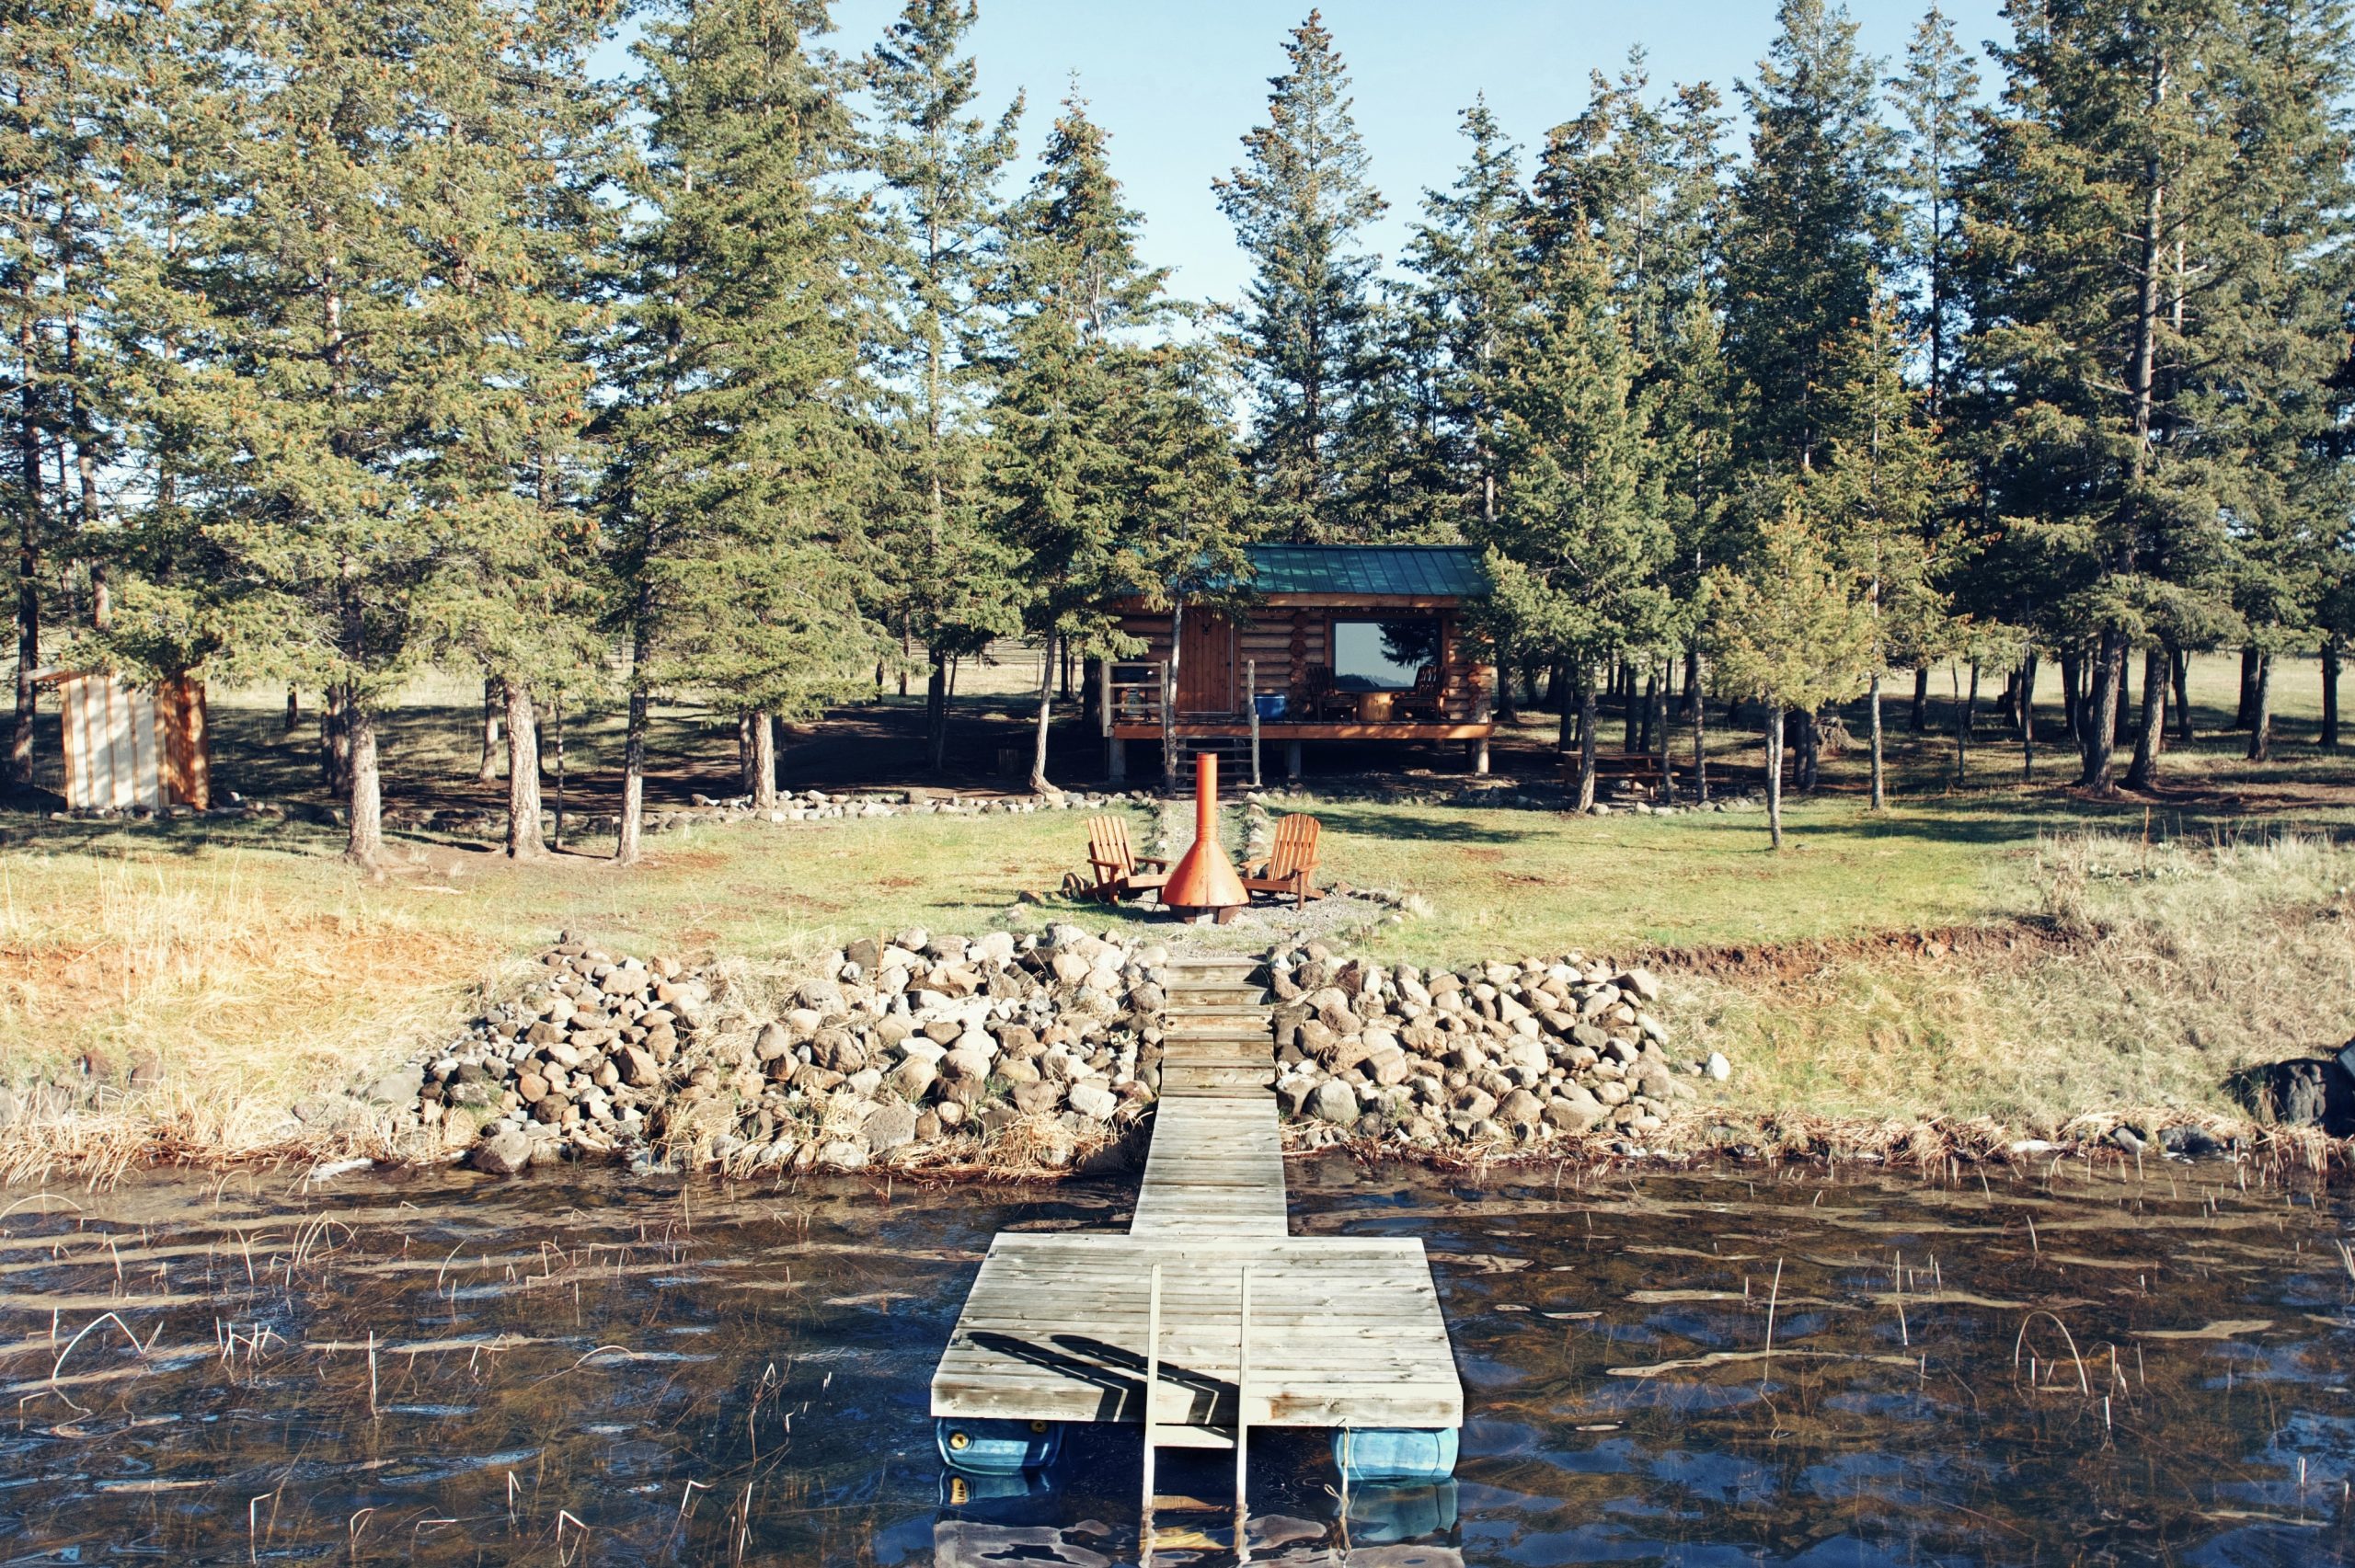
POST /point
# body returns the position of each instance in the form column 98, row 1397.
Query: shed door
column 1206, row 664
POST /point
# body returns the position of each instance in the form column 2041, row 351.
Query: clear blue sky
column 1178, row 83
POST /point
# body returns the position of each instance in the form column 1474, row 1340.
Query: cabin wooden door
column 1205, row 664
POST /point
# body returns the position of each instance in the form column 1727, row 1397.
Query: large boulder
column 1333, row 1102
column 503, row 1153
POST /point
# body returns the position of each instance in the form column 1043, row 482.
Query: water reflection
column 1725, row 1368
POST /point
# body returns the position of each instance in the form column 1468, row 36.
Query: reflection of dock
column 1342, row 1332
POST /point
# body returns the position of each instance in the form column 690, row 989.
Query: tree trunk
column 2150, row 732
column 936, row 714
column 2101, row 722
column 523, row 841
column 1920, row 721
column 2072, row 673
column 335, row 741
column 1652, row 699
column 2125, row 696
column 1692, row 683
column 745, row 784
column 2027, row 718
column 2260, row 729
column 1962, row 726
column 1775, row 772
column 1587, row 726
column 2246, row 714
column 1810, row 763
column 1629, row 741
column 29, row 532
column 1872, row 710
column 760, row 725
column 2329, row 738
column 1506, row 712
column 628, row 843
column 365, row 846
column 2179, row 665
column 1659, row 725
column 294, row 710
column 486, row 771
column 1700, row 733
column 1039, row 783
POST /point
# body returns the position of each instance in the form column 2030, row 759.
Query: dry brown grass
column 2166, row 969
column 238, row 993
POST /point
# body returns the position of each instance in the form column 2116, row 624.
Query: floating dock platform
column 1208, row 1301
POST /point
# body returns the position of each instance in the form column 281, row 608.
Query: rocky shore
column 1036, row 1049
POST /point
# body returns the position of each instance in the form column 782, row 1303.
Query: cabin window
column 1382, row 656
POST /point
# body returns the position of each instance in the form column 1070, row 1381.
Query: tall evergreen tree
column 944, row 584
column 526, row 181
column 1469, row 285
column 1581, row 541
column 58, row 173
column 1811, row 227
column 1875, row 491
column 1935, row 95
column 1299, row 202
column 742, row 452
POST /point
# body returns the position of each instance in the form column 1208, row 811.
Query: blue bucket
column 998, row 1448
column 1394, row 1456
column 1271, row 705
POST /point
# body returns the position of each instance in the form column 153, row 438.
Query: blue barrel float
column 1394, row 1456
column 999, row 1447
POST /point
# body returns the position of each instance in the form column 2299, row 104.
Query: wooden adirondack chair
column 1423, row 699
column 1117, row 866
column 1290, row 871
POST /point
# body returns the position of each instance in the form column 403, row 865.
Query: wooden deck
column 1273, row 730
column 1343, row 1331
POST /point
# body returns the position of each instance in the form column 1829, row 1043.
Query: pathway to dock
column 1342, row 1332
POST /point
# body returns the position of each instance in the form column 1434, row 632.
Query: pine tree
column 1299, row 202
column 743, row 443
column 1580, row 543
column 1875, row 491
column 524, row 183
column 1935, row 95
column 1810, row 230
column 337, row 306
column 60, row 195
column 1073, row 402
column 1792, row 628
column 1470, row 283
column 945, row 584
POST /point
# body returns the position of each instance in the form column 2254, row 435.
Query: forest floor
column 2003, row 949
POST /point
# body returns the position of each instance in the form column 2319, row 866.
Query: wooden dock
column 1341, row 1332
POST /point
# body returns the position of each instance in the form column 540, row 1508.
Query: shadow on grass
column 1429, row 825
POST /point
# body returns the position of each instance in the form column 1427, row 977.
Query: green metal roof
column 1420, row 571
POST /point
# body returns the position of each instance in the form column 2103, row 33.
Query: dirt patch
column 2002, row 940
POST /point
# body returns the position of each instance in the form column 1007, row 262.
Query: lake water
column 2117, row 1368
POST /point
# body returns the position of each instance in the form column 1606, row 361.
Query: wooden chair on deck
column 1116, row 865
column 1320, row 698
column 1423, row 699
column 1290, row 870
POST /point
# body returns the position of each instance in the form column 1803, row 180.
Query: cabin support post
column 1251, row 705
column 1291, row 761
column 1116, row 759
column 1476, row 754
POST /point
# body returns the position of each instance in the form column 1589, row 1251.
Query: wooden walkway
column 1343, row 1332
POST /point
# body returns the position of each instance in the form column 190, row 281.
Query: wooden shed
column 127, row 746
column 1345, row 642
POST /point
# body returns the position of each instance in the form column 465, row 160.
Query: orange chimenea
column 1203, row 881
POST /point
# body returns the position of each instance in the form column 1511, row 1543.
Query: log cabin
column 1342, row 643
